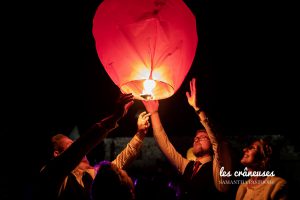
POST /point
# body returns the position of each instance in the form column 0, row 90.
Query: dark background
column 52, row 79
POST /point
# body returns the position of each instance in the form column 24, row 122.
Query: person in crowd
column 202, row 175
column 68, row 175
column 112, row 182
column 263, row 183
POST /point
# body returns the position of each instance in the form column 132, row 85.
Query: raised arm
column 222, row 156
column 162, row 139
column 133, row 147
column 72, row 156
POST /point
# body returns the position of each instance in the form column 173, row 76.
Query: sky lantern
column 146, row 46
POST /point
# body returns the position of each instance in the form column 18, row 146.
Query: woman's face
column 251, row 154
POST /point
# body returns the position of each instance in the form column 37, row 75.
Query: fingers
column 194, row 85
column 144, row 116
column 126, row 98
column 147, row 115
column 124, row 102
column 188, row 95
column 128, row 105
column 144, row 120
column 124, row 95
column 191, row 86
column 147, row 125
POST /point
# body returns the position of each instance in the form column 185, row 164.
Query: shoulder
column 279, row 189
column 278, row 180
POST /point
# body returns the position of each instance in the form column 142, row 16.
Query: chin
column 244, row 162
column 197, row 153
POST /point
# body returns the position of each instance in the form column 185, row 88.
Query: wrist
column 198, row 110
column 141, row 134
column 154, row 112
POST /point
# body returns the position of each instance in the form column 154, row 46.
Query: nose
column 245, row 149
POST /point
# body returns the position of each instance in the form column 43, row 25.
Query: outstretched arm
column 71, row 157
column 133, row 147
column 222, row 157
column 162, row 139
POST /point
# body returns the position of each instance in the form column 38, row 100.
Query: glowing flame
column 149, row 85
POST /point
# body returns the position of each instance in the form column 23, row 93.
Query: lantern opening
column 147, row 96
column 148, row 89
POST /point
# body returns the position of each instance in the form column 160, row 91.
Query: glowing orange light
column 149, row 85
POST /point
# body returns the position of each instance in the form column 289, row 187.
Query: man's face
column 65, row 143
column 202, row 144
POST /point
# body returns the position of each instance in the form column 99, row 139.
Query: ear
column 55, row 153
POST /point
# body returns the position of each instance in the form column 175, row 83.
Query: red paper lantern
column 145, row 43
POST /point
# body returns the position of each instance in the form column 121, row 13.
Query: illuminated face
column 65, row 143
column 251, row 154
column 202, row 144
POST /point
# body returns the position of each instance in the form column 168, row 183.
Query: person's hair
column 264, row 153
column 56, row 142
column 201, row 130
column 111, row 183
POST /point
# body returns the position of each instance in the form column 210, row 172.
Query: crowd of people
column 209, row 175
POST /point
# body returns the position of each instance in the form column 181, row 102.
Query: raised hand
column 151, row 105
column 143, row 122
column 192, row 95
column 124, row 102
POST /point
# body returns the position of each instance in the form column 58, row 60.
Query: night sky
column 245, row 65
